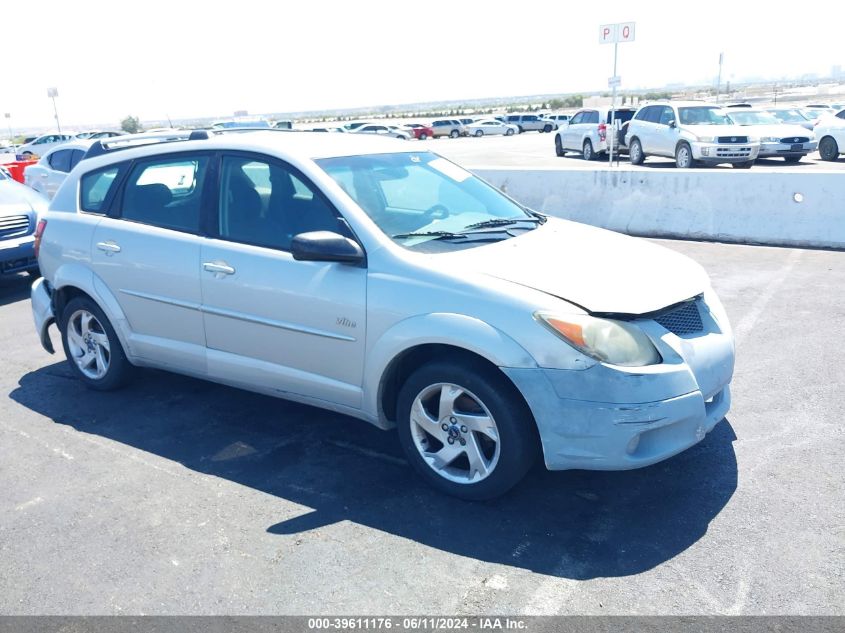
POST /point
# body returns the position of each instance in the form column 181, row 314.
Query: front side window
column 265, row 203
column 166, row 192
column 578, row 118
column 666, row 115
column 425, row 202
column 60, row 160
column 95, row 187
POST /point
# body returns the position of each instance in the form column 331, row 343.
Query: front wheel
column 559, row 151
column 828, row 149
column 92, row 347
column 454, row 134
column 479, row 132
column 465, row 429
column 792, row 159
column 683, row 157
column 509, row 132
column 635, row 153
column 747, row 164
column 587, row 150
column 547, row 128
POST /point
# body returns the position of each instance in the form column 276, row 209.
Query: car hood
column 16, row 198
column 784, row 130
column 598, row 270
column 719, row 130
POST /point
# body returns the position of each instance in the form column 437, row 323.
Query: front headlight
column 768, row 139
column 705, row 139
column 607, row 340
column 754, row 139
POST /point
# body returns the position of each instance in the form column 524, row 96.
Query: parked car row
column 699, row 133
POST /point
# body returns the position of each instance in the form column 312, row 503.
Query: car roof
column 303, row 145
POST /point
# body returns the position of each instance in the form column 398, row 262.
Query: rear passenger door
column 146, row 251
column 272, row 322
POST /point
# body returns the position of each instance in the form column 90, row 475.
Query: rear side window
column 95, row 187
column 75, row 157
column 621, row 115
column 60, row 160
column 166, row 192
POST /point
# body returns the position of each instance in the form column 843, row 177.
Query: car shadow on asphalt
column 14, row 288
column 572, row 524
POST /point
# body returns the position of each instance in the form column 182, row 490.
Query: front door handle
column 224, row 269
column 108, row 247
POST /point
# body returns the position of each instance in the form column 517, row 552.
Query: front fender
column 456, row 330
column 78, row 276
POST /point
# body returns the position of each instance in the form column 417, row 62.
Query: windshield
column 754, row 118
column 790, row 116
column 704, row 115
column 420, row 192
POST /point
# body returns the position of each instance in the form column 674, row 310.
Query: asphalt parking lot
column 177, row 496
column 536, row 150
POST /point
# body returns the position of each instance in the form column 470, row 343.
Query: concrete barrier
column 778, row 209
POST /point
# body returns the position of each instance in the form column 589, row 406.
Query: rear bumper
column 17, row 255
column 42, row 312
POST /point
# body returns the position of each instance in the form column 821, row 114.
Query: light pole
column 53, row 93
column 719, row 80
column 9, row 123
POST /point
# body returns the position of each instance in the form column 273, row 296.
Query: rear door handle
column 108, row 247
column 224, row 269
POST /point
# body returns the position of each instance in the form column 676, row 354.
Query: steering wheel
column 436, row 212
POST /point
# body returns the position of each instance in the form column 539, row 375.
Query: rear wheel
column 547, row 128
column 521, row 129
column 559, row 151
column 509, row 132
column 465, row 429
column 479, row 132
column 828, row 149
column 587, row 150
column 635, row 153
column 423, row 136
column 92, row 347
column 683, row 157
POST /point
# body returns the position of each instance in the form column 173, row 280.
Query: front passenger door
column 287, row 326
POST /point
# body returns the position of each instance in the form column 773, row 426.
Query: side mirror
column 671, row 122
column 325, row 246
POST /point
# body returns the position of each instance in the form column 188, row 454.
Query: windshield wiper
column 440, row 235
column 502, row 222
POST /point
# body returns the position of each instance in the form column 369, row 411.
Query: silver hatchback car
column 389, row 284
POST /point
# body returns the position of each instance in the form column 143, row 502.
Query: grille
column 682, row 320
column 795, row 139
column 13, row 225
column 739, row 152
column 732, row 139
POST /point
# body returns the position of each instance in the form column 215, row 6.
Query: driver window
column 666, row 116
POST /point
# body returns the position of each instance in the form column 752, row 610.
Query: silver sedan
column 491, row 126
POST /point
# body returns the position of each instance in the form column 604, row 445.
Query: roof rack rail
column 106, row 145
column 128, row 141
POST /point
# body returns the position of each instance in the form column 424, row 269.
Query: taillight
column 39, row 232
column 602, row 131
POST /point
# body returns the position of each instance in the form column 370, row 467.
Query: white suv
column 389, row 284
column 690, row 132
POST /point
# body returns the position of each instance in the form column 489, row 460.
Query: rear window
column 95, row 187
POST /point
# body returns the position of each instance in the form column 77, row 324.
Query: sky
column 184, row 59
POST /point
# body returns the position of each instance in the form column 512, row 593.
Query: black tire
column 454, row 134
column 423, row 136
column 509, row 132
column 547, row 128
column 747, row 164
column 683, row 156
column 559, row 151
column 793, row 159
column 119, row 368
column 587, row 150
column 635, row 152
column 479, row 132
column 521, row 129
column 518, row 445
column 828, row 149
